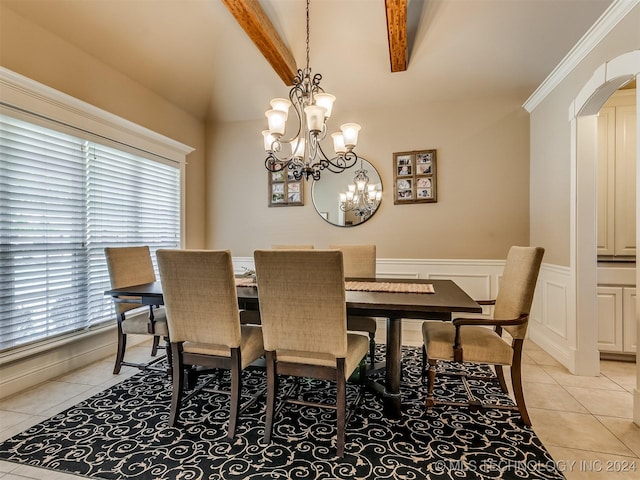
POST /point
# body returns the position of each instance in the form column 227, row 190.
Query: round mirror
column 348, row 198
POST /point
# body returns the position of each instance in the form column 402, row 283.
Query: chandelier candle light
column 361, row 197
column 312, row 106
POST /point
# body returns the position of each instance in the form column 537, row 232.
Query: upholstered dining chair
column 469, row 339
column 360, row 262
column 133, row 266
column 252, row 317
column 304, row 322
column 201, row 302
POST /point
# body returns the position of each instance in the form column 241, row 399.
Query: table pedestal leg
column 392, row 399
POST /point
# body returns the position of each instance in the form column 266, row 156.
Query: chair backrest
column 517, row 286
column 129, row 266
column 359, row 260
column 302, row 300
column 200, row 297
column 292, row 247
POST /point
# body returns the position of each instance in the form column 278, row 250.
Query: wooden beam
column 256, row 24
column 397, row 33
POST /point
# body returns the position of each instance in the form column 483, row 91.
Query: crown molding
column 607, row 21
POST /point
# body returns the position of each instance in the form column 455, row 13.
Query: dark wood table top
column 448, row 297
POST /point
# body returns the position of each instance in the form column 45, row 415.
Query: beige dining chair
column 133, row 266
column 469, row 339
column 360, row 262
column 252, row 317
column 204, row 322
column 304, row 322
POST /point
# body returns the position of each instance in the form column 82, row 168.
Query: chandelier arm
column 321, row 160
column 322, row 134
column 274, row 155
column 313, row 145
column 339, row 163
column 274, row 164
column 315, row 87
column 295, row 96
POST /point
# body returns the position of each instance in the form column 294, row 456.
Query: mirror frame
column 344, row 179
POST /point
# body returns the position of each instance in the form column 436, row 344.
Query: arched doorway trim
column 605, row 80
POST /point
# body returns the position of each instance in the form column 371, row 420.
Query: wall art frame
column 414, row 177
column 284, row 190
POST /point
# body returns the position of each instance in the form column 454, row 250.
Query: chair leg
column 169, row 355
column 271, row 394
column 122, row 346
column 154, row 347
column 372, row 349
column 341, row 407
column 178, row 382
column 362, row 374
column 236, row 385
column 500, row 375
column 516, row 382
column 431, row 382
column 423, row 365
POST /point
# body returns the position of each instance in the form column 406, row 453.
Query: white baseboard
column 45, row 363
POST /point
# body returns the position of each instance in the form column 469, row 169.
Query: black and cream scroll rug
column 122, row 433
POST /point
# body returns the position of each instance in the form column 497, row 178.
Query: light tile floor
column 584, row 422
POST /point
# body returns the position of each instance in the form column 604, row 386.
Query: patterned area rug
column 122, row 433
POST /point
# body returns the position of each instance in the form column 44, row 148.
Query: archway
column 604, row 81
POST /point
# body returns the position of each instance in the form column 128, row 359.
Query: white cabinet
column 616, row 231
column 616, row 319
column 610, row 319
column 629, row 336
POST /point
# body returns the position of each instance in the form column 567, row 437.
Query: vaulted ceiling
column 197, row 55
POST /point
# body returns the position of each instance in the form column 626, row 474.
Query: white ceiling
column 193, row 53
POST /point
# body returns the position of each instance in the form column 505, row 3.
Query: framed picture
column 284, row 190
column 414, row 177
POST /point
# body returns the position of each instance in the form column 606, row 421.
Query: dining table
column 393, row 299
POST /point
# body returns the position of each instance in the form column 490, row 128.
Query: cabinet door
column 629, row 319
column 610, row 319
column 625, row 208
column 606, row 187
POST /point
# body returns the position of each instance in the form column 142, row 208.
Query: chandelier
column 361, row 197
column 302, row 153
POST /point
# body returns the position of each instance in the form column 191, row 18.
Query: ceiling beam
column 256, row 24
column 397, row 33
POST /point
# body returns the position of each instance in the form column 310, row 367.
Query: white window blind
column 62, row 200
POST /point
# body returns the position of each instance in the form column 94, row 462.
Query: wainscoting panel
column 556, row 308
column 552, row 320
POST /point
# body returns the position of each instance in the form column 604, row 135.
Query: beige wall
column 35, row 53
column 483, row 173
column 550, row 144
column 483, row 184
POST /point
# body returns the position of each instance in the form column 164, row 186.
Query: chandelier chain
column 308, row 1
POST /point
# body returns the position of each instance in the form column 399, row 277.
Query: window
column 64, row 198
